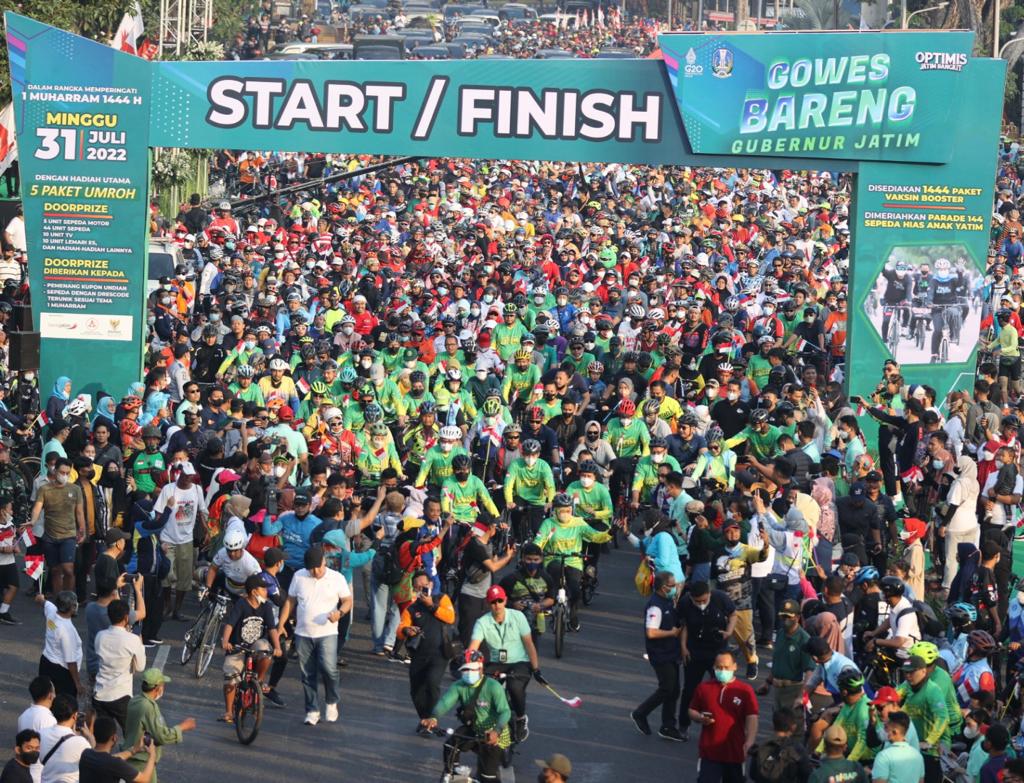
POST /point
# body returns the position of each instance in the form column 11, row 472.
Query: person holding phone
column 727, row 711
column 101, row 765
column 426, row 628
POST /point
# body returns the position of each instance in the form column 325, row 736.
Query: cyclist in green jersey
column 529, row 490
column 645, row 478
column 630, row 440
column 761, row 436
column 463, row 494
column 437, row 464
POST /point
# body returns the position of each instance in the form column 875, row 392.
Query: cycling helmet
column 246, row 371
column 378, row 429
column 892, row 586
column 657, row 314
column 331, row 414
column 77, row 407
column 132, row 403
column 651, row 407
column 759, row 416
column 474, row 660
column 460, row 462
column 234, row 540
column 725, row 367
column 277, row 363
column 427, row 407
column 627, row 408
column 348, row 320
column 531, row 446
column 689, row 420
column 318, row 387
column 373, row 413
column 927, row 651
column 635, row 312
column 865, row 574
column 981, row 641
column 348, row 374
column 1002, row 313
column 451, row 432
column 588, row 466
column 962, row 613
column 659, row 443
column 418, row 377
column 535, row 414
column 308, row 350
column 491, row 407
column 942, row 265
column 850, row 680
column 511, row 308
column 562, row 500
column 595, row 366
column 522, row 355
column 714, row 434
column 732, row 303
column 151, row 432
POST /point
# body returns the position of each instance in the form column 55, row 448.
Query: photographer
column 62, row 744
column 99, row 765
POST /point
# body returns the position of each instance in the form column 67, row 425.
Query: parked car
column 378, row 47
column 516, row 12
column 164, row 255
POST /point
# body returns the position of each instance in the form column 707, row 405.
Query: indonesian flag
column 302, row 385
column 8, row 139
column 34, row 566
column 493, row 434
column 28, row 538
column 42, row 418
column 912, row 475
column 130, row 34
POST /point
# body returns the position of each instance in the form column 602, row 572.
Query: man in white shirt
column 120, row 653
column 61, row 660
column 187, row 503
column 60, row 745
column 901, row 630
column 319, row 597
column 38, row 716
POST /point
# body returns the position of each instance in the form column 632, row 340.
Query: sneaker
column 752, row 671
column 670, row 733
column 331, row 715
column 399, row 657
column 9, row 619
column 574, row 624
column 312, row 717
column 522, row 728
column 156, row 640
column 685, row 734
column 274, row 698
column 342, row 662
column 147, row 643
column 641, row 723
column 423, row 731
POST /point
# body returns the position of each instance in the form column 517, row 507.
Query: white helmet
column 451, row 432
column 942, row 265
column 332, row 413
column 77, row 407
column 234, row 540
column 277, row 363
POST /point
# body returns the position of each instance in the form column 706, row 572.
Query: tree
column 96, row 19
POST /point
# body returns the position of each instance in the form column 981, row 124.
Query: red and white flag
column 302, row 385
column 131, row 33
column 42, row 418
column 34, row 566
column 8, row 139
column 28, row 538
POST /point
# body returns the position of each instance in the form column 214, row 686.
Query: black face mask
column 461, row 476
column 30, row 758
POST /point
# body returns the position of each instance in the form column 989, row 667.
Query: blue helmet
column 866, row 574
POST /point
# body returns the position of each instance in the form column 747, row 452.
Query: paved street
column 374, row 741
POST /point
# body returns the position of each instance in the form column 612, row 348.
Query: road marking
column 161, row 657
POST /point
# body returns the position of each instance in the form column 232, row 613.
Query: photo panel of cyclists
column 921, row 301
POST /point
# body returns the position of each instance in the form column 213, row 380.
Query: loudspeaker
column 21, row 318
column 24, row 351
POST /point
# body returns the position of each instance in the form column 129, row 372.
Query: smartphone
column 147, row 740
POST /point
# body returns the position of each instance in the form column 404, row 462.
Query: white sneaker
column 313, row 717
column 332, row 713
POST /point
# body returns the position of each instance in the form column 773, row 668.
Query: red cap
column 284, row 413
column 886, row 695
column 496, row 593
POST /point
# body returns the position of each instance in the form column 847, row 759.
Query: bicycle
column 247, row 709
column 454, row 772
column 895, row 314
column 950, row 330
column 201, row 636
column 882, row 669
column 560, row 612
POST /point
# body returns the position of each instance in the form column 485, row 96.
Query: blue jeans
column 318, row 657
column 383, row 616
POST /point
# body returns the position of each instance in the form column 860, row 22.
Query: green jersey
column 491, row 705
column 580, row 365
column 463, row 500
column 593, row 503
column 758, row 370
column 437, row 466
column 534, row 485
column 645, row 480
column 762, row 445
column 372, row 462
column 632, row 440
column 251, row 394
column 507, row 339
column 519, row 384
column 927, row 709
column 567, row 538
column 941, row 677
column 855, row 720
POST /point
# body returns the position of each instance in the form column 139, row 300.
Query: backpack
column 385, row 566
column 777, row 761
column 927, row 620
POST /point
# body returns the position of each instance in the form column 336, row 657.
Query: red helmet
column 627, row 408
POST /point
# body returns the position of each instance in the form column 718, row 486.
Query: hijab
column 105, row 410
column 969, row 557
column 823, row 492
column 58, row 388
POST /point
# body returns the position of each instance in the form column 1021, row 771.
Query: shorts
column 59, row 551
column 180, row 575
column 8, row 576
column 233, row 663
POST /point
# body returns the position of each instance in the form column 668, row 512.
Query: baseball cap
column 790, row 608
column 857, row 489
column 301, row 499
column 285, row 413
column 913, row 663
column 886, row 695
column 114, row 535
column 694, row 507
column 874, row 475
column 730, row 523
column 153, row 677
column 835, row 735
column 496, row 593
column 556, row 762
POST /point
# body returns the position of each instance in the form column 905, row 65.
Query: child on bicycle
column 251, row 623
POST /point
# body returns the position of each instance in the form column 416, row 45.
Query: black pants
column 471, row 609
column 85, row 555
column 517, row 677
column 719, row 772
column 153, row 594
column 763, row 600
column 117, row 709
column 932, row 769
column 666, row 695
column 572, row 582
column 693, row 672
column 526, row 521
column 60, row 676
column 488, row 757
column 425, row 675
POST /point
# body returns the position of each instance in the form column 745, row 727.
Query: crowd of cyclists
column 456, row 385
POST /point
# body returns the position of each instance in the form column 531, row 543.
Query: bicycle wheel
column 29, row 467
column 207, row 645
column 588, row 587
column 944, row 350
column 248, row 711
column 894, row 335
column 558, row 626
column 193, row 636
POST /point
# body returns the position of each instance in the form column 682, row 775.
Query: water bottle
column 562, row 598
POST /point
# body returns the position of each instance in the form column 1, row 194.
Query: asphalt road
column 375, row 739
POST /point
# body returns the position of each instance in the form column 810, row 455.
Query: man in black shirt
column 708, row 618
column 26, row 753
column 251, row 623
column 858, row 523
column 731, row 414
column 99, row 765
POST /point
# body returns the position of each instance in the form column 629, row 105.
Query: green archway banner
column 912, row 114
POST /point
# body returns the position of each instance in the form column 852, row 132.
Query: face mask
column 809, row 319
column 724, row 676
column 474, row 311
column 733, row 396
column 32, row 757
column 151, row 320
column 562, row 301
column 250, row 344
column 530, row 461
column 970, row 732
column 366, row 363
column 471, row 678
column 592, row 436
column 532, row 567
column 62, row 479
column 937, row 464
column 587, row 482
column 702, row 606
column 657, row 459
column 671, row 593
column 589, row 346
column 165, row 300
column 214, row 317
column 488, row 298
column 843, row 435
column 279, row 471
column 446, row 447
column 625, row 422
column 30, row 376
column 347, row 330
column 260, row 600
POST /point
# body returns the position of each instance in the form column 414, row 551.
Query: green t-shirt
column 839, row 771
column 927, row 709
column 534, row 485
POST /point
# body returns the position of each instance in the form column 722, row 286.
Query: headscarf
column 823, row 492
column 825, row 625
column 969, row 557
column 913, row 530
column 137, row 389
column 156, row 401
column 58, row 388
column 967, row 478
column 105, row 409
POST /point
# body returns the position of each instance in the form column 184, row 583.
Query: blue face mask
column 724, row 676
column 937, row 464
column 672, row 592
column 471, row 678
column 532, row 567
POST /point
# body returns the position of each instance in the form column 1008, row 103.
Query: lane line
column 161, row 657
